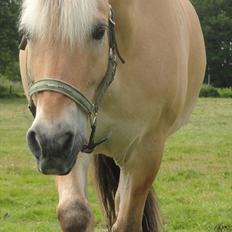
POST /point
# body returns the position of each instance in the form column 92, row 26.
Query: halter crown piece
column 91, row 108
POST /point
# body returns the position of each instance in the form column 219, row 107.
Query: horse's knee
column 75, row 216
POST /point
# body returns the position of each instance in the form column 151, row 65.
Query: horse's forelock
column 58, row 20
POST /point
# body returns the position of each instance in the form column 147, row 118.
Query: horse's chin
column 56, row 166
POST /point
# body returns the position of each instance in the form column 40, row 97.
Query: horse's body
column 152, row 95
column 156, row 90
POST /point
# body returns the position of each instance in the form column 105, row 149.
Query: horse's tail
column 107, row 177
column 151, row 216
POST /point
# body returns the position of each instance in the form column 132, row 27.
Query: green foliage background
column 215, row 17
column 9, row 39
column 216, row 20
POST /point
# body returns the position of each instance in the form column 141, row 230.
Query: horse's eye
column 98, row 32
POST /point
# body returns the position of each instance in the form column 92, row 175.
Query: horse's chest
column 124, row 135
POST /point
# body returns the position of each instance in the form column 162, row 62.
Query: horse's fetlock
column 75, row 216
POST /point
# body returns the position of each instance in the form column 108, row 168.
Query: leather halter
column 91, row 108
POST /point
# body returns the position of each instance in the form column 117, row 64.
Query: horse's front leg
column 73, row 210
column 136, row 206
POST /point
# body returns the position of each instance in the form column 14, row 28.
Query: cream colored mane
column 58, row 20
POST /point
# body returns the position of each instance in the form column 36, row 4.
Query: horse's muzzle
column 55, row 153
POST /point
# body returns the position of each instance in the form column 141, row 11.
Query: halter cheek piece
column 91, row 108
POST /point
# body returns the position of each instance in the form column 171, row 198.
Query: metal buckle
column 111, row 15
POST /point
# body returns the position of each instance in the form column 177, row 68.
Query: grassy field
column 194, row 185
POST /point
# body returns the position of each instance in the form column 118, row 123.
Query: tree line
column 216, row 21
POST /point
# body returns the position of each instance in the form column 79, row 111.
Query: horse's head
column 67, row 41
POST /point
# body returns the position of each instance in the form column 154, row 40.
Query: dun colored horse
column 70, row 54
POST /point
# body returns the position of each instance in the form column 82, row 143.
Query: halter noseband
column 91, row 108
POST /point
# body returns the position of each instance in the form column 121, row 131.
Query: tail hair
column 151, row 217
column 107, row 175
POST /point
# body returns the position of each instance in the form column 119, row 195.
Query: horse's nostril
column 66, row 141
column 34, row 143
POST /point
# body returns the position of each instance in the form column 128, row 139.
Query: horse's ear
column 23, row 43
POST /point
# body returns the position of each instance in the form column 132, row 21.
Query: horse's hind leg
column 137, row 209
column 74, row 212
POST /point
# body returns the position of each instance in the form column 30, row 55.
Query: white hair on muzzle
column 58, row 20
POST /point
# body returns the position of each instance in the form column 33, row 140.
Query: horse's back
column 196, row 63
column 174, row 59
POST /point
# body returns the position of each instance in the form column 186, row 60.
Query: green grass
column 195, row 181
column 194, row 184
